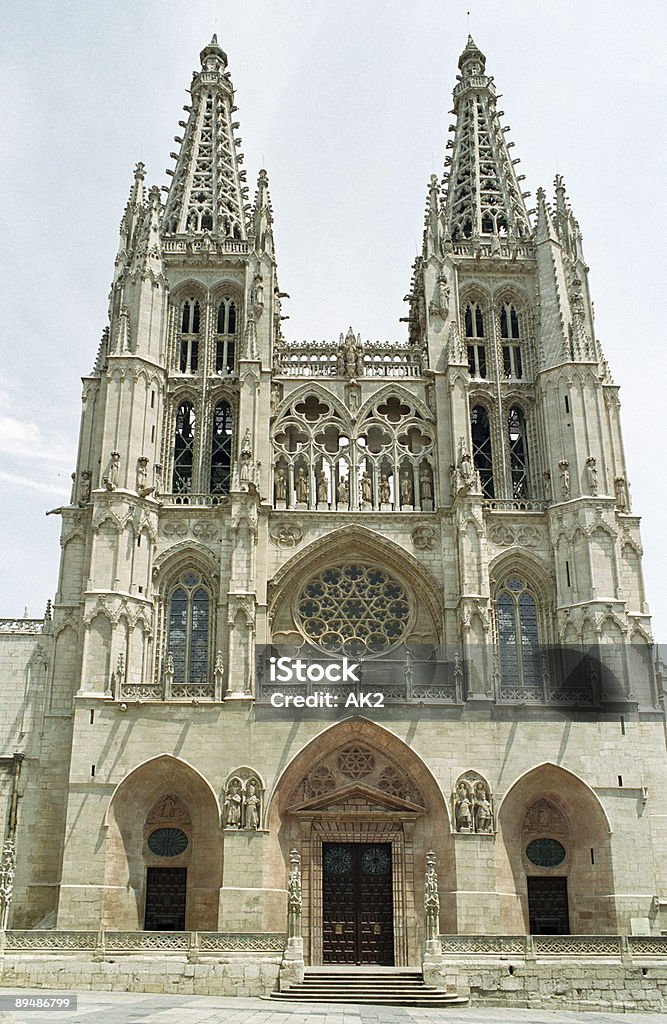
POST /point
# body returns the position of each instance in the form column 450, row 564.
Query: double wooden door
column 165, row 899
column 547, row 905
column 358, row 921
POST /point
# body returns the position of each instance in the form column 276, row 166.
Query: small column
column 292, row 966
column 433, row 962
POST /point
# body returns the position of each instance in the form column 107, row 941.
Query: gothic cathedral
column 431, row 538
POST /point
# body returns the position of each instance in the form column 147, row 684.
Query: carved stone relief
column 472, row 804
column 543, row 817
column 356, row 763
column 243, row 801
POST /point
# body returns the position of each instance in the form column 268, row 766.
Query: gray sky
column 345, row 102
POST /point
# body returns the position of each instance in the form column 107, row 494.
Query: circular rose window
column 354, row 610
column 167, row 842
column 545, row 853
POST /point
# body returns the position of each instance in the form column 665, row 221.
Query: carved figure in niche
column 245, row 470
column 275, row 398
column 343, row 491
column 407, row 495
column 467, row 469
column 483, row 811
column 252, row 806
column 385, row 490
column 234, row 800
column 425, row 486
column 142, row 477
column 281, row 484
column 366, row 489
column 463, row 808
column 84, row 489
column 301, row 486
column 564, row 467
column 219, row 668
column 322, row 488
column 111, row 478
column 621, row 492
column 592, row 475
column 546, row 476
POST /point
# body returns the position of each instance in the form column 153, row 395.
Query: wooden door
column 547, row 905
column 358, row 925
column 165, row 899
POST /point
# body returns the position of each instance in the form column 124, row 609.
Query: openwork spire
column 482, row 190
column 207, row 191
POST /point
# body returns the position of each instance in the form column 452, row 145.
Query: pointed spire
column 483, row 194
column 262, row 215
column 207, row 192
column 544, row 228
column 132, row 216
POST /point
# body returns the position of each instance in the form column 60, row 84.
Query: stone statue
column 301, row 486
column 407, row 495
column 483, row 812
column 84, row 489
column 281, row 484
column 322, row 488
column 425, row 486
column 366, row 489
column 111, row 478
column 245, row 468
column 252, row 806
column 546, row 476
column 143, row 490
column 169, row 671
column 463, row 808
column 621, row 492
column 233, row 809
column 467, row 470
column 592, row 475
column 385, row 490
column 563, row 466
column 343, row 491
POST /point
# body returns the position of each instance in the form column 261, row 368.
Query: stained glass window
column 189, row 628
column 354, row 610
column 516, row 615
column 167, row 842
column 545, row 853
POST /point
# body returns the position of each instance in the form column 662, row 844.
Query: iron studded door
column 547, row 905
column 165, row 899
column 358, row 923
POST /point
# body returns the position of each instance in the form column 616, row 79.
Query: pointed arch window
column 221, row 448
column 511, row 342
column 189, row 344
column 474, row 329
column 518, row 648
column 189, row 628
column 184, row 444
column 482, row 452
column 518, row 449
column 225, row 342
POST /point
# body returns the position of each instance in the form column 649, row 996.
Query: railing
column 125, row 942
column 515, row 505
column 198, row 245
column 538, row 946
column 21, row 625
column 207, row 500
column 156, row 691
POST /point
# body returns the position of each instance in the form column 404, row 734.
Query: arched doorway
column 363, row 809
column 555, row 856
column 164, row 850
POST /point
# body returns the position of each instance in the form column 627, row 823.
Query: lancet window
column 518, row 640
column 518, row 451
column 226, row 336
column 221, row 448
column 184, row 443
column 188, row 632
column 511, row 343
column 474, row 332
column 482, row 451
column 188, row 354
column 386, row 464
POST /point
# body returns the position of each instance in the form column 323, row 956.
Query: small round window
column 545, row 853
column 167, row 842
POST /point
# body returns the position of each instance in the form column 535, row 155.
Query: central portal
column 357, row 921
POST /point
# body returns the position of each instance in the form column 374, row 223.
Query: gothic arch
column 365, row 812
column 588, row 865
column 535, row 571
column 125, row 856
column 301, row 393
column 353, row 542
column 389, row 391
column 190, row 288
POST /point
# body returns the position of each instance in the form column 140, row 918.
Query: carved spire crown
column 482, row 193
column 208, row 191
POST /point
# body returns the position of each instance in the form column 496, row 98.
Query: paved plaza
column 131, row 1008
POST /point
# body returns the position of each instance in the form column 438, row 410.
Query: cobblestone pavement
column 131, row 1008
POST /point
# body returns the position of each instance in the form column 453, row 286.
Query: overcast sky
column 346, row 103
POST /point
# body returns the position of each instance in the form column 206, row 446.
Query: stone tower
column 450, row 510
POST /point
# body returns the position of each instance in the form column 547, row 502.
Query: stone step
column 386, row 987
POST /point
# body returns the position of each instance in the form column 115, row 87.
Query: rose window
column 354, row 610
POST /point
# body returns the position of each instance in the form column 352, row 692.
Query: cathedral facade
column 348, row 603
